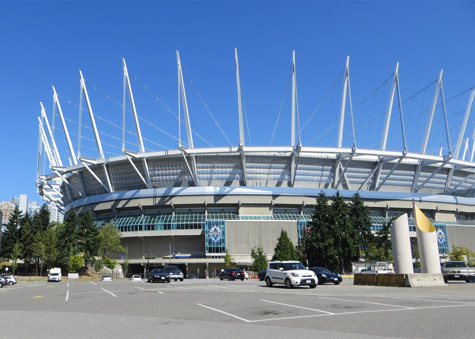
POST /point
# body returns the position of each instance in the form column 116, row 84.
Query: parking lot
column 213, row 308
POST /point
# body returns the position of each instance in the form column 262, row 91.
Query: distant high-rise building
column 33, row 208
column 23, row 203
column 55, row 214
column 6, row 208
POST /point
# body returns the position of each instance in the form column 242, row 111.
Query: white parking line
column 231, row 315
column 368, row 302
column 161, row 292
column 67, row 295
column 303, row 308
column 108, row 292
column 93, row 283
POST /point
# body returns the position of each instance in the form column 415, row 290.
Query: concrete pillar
column 401, row 245
column 427, row 243
column 207, row 271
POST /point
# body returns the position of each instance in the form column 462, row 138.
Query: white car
column 106, row 278
column 136, row 277
column 290, row 274
column 11, row 280
column 246, row 275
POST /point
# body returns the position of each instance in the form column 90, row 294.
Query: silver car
column 11, row 280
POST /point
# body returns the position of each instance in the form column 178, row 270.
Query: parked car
column 457, row 270
column 174, row 272
column 192, row 276
column 325, row 276
column 231, row 274
column 11, row 280
column 3, row 282
column 136, row 277
column 106, row 278
column 158, row 274
column 262, row 274
column 246, row 275
column 290, row 273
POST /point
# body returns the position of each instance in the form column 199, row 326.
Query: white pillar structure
column 401, row 245
column 427, row 243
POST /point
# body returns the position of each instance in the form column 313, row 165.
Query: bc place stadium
column 188, row 205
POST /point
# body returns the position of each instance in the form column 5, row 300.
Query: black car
column 325, row 276
column 262, row 274
column 231, row 274
column 159, row 275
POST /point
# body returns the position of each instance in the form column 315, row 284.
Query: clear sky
column 45, row 43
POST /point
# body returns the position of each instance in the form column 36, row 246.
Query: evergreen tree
column 284, row 250
column 88, row 236
column 345, row 235
column 27, row 237
column 361, row 223
column 320, row 244
column 69, row 243
column 11, row 234
column 50, row 241
column 259, row 259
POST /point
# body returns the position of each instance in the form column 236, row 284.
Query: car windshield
column 454, row 264
column 321, row 270
column 158, row 271
column 54, row 274
column 293, row 266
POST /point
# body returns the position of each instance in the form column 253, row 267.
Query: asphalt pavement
column 210, row 308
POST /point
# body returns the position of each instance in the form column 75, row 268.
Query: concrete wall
column 461, row 236
column 158, row 247
column 242, row 236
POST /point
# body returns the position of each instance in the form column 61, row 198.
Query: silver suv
column 290, row 273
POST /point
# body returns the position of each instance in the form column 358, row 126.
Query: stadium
column 188, row 205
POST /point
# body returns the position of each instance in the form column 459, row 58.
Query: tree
column 110, row 263
column 109, row 240
column 39, row 251
column 344, row 233
column 285, row 249
column 320, row 244
column 228, row 260
column 88, row 236
column 259, row 259
column 27, row 237
column 68, row 234
column 461, row 253
column 51, row 245
column 14, row 255
column 361, row 223
column 11, row 234
column 75, row 263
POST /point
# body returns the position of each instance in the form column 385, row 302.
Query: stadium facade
column 188, row 206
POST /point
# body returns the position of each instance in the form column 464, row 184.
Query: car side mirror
column 281, row 268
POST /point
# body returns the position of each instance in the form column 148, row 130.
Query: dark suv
column 174, row 272
column 231, row 274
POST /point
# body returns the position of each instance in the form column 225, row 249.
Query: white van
column 54, row 274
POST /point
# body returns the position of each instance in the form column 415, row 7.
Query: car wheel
column 243, row 279
column 313, row 285
column 176, row 279
column 11, row 282
column 446, row 280
column 268, row 282
column 181, row 279
column 337, row 283
column 230, row 278
column 288, row 284
column 220, row 278
column 149, row 280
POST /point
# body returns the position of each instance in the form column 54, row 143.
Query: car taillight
column 233, row 273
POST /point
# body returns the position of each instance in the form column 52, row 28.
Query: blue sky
column 46, row 43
